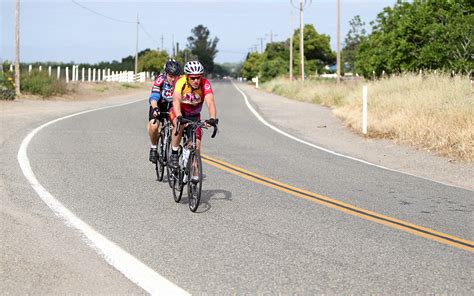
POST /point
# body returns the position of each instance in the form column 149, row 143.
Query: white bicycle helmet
column 193, row 68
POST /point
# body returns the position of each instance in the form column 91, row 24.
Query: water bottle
column 185, row 155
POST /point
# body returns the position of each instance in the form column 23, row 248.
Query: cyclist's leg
column 175, row 140
column 153, row 128
column 198, row 135
column 153, row 133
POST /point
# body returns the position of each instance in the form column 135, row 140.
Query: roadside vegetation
column 39, row 83
column 408, row 37
column 431, row 112
column 7, row 86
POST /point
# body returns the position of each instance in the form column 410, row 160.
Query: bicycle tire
column 194, row 188
column 177, row 180
column 177, row 184
column 160, row 167
column 168, row 169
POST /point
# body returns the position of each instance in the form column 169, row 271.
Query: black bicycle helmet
column 172, row 67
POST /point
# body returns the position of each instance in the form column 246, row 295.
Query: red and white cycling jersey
column 192, row 99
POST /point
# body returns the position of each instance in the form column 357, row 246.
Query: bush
column 39, row 83
column 7, row 86
column 6, row 94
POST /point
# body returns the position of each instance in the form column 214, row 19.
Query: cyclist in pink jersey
column 190, row 92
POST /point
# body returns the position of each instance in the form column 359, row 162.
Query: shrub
column 6, row 94
column 7, row 86
column 39, row 83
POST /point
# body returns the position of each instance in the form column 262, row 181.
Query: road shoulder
column 319, row 126
column 40, row 254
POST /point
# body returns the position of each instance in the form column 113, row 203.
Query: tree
column 227, row 69
column 152, row 61
column 274, row 60
column 128, row 63
column 424, row 34
column 317, row 50
column 251, row 66
column 203, row 47
column 354, row 37
column 185, row 55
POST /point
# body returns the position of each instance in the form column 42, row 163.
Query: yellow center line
column 344, row 207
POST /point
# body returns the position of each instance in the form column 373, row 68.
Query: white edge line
column 259, row 117
column 128, row 265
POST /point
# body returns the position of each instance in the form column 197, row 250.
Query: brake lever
column 214, row 132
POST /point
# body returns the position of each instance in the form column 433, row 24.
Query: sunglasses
column 194, row 77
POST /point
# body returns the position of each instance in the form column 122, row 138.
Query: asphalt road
column 248, row 237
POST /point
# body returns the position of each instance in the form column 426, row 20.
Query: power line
column 116, row 20
column 148, row 34
column 102, row 15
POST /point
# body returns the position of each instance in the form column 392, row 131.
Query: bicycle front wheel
column 160, row 163
column 176, row 180
column 169, row 171
column 195, row 182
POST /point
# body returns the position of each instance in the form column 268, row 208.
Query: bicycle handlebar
column 160, row 113
column 198, row 124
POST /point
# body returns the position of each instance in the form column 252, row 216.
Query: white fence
column 74, row 73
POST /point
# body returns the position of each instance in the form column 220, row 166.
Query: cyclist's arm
column 211, row 106
column 153, row 102
column 177, row 102
column 155, row 94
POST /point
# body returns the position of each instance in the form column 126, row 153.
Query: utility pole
column 338, row 79
column 301, row 42
column 136, row 49
column 291, row 45
column 271, row 36
column 172, row 44
column 162, row 42
column 17, row 48
column 301, row 7
column 261, row 43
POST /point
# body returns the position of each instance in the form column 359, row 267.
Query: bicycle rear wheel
column 177, row 183
column 160, row 163
column 195, row 182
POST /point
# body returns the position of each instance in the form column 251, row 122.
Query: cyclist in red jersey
column 160, row 100
column 190, row 92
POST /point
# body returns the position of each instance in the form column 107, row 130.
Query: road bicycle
column 190, row 164
column 163, row 147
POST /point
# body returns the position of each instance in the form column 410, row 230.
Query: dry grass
column 434, row 112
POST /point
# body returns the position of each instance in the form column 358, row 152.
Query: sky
column 63, row 31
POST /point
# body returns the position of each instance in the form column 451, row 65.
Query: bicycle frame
column 193, row 164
